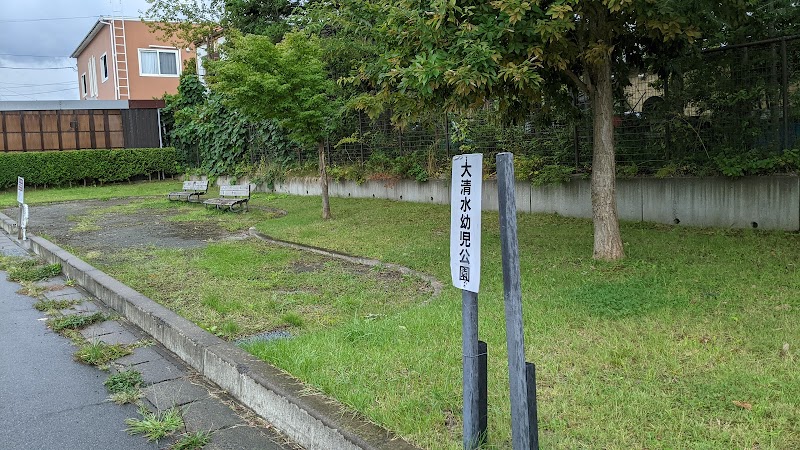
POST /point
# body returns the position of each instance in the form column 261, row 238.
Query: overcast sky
column 37, row 37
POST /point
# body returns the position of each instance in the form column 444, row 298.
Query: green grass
column 657, row 351
column 51, row 306
column 74, row 321
column 32, row 270
column 99, row 353
column 126, row 380
column 241, row 288
column 192, row 441
column 155, row 425
column 124, row 386
column 648, row 352
column 35, row 196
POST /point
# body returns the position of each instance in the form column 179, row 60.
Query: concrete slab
column 57, row 283
column 12, row 250
column 85, row 307
column 159, row 370
column 239, row 438
column 209, row 414
column 139, row 356
column 97, row 330
column 64, row 295
column 123, row 337
column 176, row 392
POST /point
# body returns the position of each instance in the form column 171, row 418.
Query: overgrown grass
column 155, row 425
column 124, row 386
column 126, row 380
column 99, row 354
column 51, row 306
column 683, row 344
column 74, row 321
column 192, row 441
column 245, row 287
column 650, row 352
column 32, row 270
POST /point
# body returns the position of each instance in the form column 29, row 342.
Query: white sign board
column 20, row 190
column 465, row 221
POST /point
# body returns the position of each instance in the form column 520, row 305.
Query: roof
column 52, row 105
column 101, row 22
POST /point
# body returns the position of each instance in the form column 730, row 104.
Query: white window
column 92, row 77
column 83, row 84
column 104, row 67
column 159, row 63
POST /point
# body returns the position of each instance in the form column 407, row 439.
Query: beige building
column 123, row 59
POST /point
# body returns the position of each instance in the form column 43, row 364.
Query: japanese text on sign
column 20, row 190
column 465, row 221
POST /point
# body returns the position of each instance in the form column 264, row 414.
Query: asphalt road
column 47, row 400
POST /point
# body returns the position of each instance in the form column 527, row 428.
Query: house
column 123, row 59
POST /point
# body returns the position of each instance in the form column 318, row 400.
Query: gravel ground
column 118, row 231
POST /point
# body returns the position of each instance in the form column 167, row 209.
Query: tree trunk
column 323, row 181
column 607, row 239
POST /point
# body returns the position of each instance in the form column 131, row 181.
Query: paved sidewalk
column 49, row 401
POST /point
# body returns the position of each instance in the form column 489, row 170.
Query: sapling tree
column 286, row 82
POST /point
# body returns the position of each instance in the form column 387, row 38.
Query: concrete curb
column 312, row 420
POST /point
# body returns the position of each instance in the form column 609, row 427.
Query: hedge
column 80, row 166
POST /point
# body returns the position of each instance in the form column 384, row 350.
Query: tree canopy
column 519, row 54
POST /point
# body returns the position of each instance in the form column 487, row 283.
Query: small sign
column 20, row 190
column 465, row 221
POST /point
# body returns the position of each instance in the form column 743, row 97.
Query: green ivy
column 218, row 140
column 78, row 166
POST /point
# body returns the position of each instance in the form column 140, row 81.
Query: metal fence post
column 785, row 88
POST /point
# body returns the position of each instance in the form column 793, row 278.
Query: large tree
column 286, row 82
column 465, row 53
column 194, row 22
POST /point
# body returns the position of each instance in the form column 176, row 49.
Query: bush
column 62, row 168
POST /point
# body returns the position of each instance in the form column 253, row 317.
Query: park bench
column 190, row 189
column 230, row 197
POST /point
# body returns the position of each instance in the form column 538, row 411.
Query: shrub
column 74, row 166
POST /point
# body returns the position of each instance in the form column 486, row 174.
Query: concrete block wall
column 771, row 203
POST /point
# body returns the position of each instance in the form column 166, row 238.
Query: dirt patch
column 114, row 230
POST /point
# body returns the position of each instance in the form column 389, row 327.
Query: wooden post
column 22, row 134
column 5, row 131
column 41, row 130
column 58, row 129
column 105, row 128
column 92, row 137
column 469, row 347
column 517, row 372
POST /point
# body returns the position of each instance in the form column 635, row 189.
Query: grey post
column 520, row 424
column 469, row 324
column 19, row 223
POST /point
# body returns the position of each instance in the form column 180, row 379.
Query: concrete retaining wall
column 771, row 203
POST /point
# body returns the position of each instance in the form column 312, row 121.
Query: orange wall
column 99, row 45
column 138, row 36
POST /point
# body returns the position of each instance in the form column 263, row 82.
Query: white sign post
column 465, row 221
column 20, row 190
column 21, row 200
column 465, row 269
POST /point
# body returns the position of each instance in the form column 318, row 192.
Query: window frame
column 157, row 51
column 83, row 85
column 104, row 67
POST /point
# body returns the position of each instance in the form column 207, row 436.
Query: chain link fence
column 735, row 102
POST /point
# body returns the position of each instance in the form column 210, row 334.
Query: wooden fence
column 73, row 129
